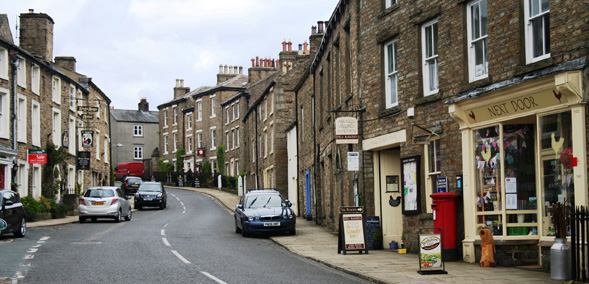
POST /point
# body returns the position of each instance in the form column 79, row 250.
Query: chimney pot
column 320, row 24
column 253, row 62
column 220, row 68
column 225, row 69
column 300, row 46
column 31, row 11
column 284, row 45
column 289, row 45
column 240, row 69
column 257, row 61
column 313, row 29
column 305, row 44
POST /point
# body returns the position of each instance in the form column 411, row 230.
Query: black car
column 131, row 184
column 151, row 194
column 264, row 211
column 13, row 213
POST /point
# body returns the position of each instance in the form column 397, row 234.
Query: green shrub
column 32, row 208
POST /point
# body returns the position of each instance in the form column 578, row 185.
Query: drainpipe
column 14, row 62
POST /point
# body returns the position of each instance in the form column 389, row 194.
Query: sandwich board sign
column 430, row 254
column 352, row 230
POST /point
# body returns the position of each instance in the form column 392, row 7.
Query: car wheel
column 292, row 232
column 82, row 220
column 162, row 206
column 22, row 231
column 118, row 216
column 129, row 214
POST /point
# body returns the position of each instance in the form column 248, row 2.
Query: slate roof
column 127, row 115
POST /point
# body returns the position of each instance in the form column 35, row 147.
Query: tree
column 164, row 167
column 180, row 160
column 56, row 160
column 221, row 158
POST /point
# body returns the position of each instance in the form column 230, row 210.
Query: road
column 192, row 241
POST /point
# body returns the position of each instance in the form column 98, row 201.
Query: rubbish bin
column 444, row 211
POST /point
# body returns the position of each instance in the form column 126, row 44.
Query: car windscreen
column 134, row 181
column 150, row 188
column 99, row 193
column 262, row 201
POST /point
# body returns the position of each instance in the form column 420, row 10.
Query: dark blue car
column 264, row 211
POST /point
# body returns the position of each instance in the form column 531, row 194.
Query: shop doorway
column 389, row 189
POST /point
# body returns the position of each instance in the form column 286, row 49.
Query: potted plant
column 377, row 239
column 393, row 245
column 560, row 253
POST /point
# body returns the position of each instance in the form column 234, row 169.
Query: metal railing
column 579, row 222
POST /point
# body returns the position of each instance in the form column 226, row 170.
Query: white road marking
column 32, row 250
column 166, row 242
column 180, row 257
column 163, row 232
column 45, row 238
column 213, row 277
column 29, row 256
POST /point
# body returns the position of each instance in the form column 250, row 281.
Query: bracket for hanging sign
column 421, row 135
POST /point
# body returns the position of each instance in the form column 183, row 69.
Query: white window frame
column 228, row 118
column 4, row 63
column 166, row 143
column 237, row 137
column 189, row 144
column 529, row 31
column 213, row 134
column 391, row 76
column 72, row 135
column 35, row 79
column 165, row 118
column 189, row 121
column 199, row 140
column 237, row 109
column 137, row 130
column 21, row 118
column 56, row 89
column 174, row 115
column 213, row 101
column 21, row 72
column 199, row 110
column 430, row 175
column 137, row 152
column 98, row 106
column 389, row 3
column 106, row 147
column 36, row 123
column 427, row 75
column 97, row 142
column 477, row 72
column 72, row 97
column 175, row 137
column 227, row 141
column 23, row 177
column 234, row 118
column 56, row 129
column 233, row 138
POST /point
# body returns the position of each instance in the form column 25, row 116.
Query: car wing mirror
column 8, row 202
column 240, row 206
column 288, row 203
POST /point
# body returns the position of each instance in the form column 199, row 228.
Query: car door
column 125, row 205
column 8, row 209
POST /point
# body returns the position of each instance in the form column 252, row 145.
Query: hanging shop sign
column 346, row 130
column 88, row 108
column 87, row 138
column 352, row 230
column 200, row 152
column 430, row 254
column 83, row 160
column 37, row 156
column 353, row 161
column 518, row 106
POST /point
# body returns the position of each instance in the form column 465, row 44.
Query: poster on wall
column 410, row 173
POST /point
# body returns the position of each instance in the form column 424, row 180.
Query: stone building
column 194, row 120
column 45, row 96
column 133, row 133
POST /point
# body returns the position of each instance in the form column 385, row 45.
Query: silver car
column 104, row 202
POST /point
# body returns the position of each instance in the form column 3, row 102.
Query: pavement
column 378, row 266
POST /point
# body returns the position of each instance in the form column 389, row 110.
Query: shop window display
column 488, row 179
column 556, row 165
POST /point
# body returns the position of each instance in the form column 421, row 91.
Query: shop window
column 433, row 165
column 556, row 165
column 488, row 179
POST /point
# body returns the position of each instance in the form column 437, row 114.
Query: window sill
column 428, row 99
column 389, row 10
column 519, row 70
column 390, row 111
column 476, row 84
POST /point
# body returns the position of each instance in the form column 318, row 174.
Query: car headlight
column 289, row 216
column 137, row 195
column 253, row 218
column 160, row 195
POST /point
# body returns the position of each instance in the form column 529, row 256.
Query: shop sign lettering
column 515, row 106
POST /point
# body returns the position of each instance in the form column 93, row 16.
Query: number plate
column 98, row 203
column 271, row 224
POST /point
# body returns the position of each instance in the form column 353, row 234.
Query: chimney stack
column 179, row 89
column 143, row 105
column 36, row 34
column 66, row 62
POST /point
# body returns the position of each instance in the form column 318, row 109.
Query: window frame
column 213, row 101
column 529, row 32
column 427, row 76
column 4, row 63
column 21, row 72
column 35, row 79
column 36, row 123
column 137, row 130
column 56, row 90
column 388, row 74
column 472, row 51
column 431, row 176
column 21, row 118
column 138, row 150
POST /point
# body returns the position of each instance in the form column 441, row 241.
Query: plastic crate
column 517, row 231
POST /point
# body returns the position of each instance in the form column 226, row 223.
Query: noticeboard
column 352, row 230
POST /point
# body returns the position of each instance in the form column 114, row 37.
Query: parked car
column 151, row 193
column 264, row 211
column 128, row 169
column 104, row 202
column 13, row 213
column 131, row 184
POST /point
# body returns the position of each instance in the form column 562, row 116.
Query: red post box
column 444, row 213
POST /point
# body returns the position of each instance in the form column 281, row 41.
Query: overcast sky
column 138, row 48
